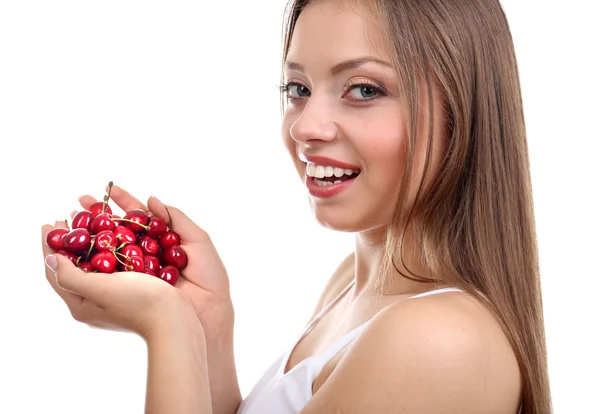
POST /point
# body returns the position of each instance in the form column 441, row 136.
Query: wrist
column 218, row 325
column 178, row 319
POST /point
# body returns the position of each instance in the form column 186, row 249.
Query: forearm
column 177, row 369
column 224, row 387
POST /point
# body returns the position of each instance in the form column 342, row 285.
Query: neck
column 369, row 251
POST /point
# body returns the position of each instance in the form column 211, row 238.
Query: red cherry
column 77, row 240
column 69, row 255
column 136, row 264
column 149, row 245
column 169, row 274
column 175, row 256
column 105, row 241
column 170, row 239
column 55, row 238
column 102, row 222
column 104, row 262
column 124, row 235
column 132, row 250
column 96, row 208
column 152, row 263
column 138, row 220
column 149, row 272
column 86, row 267
column 100, row 207
column 82, row 220
column 157, row 227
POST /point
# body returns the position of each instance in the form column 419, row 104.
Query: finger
column 86, row 201
column 91, row 286
column 124, row 200
column 81, row 309
column 68, row 297
column 177, row 220
column 59, row 224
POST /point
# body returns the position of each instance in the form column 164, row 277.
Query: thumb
column 177, row 221
column 92, row 286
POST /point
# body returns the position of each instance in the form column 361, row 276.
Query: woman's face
column 344, row 124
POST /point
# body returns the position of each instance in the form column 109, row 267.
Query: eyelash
column 377, row 88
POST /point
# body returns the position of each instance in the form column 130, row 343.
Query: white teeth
column 322, row 183
column 321, row 171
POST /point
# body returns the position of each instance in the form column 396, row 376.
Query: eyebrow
column 343, row 66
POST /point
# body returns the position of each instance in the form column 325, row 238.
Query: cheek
column 384, row 152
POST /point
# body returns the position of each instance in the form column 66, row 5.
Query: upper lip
column 326, row 161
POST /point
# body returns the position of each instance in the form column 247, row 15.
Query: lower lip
column 326, row 191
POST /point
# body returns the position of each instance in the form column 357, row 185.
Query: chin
column 348, row 221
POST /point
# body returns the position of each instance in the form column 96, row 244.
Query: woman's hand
column 123, row 301
column 155, row 310
column 205, row 286
column 204, row 280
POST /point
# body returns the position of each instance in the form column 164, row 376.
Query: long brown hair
column 475, row 224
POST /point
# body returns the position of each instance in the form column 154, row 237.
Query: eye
column 295, row 90
column 365, row 91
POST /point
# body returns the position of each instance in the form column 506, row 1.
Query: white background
column 179, row 99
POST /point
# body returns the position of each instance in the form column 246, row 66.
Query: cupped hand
column 122, row 301
column 204, row 280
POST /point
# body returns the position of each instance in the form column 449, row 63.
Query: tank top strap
column 435, row 291
column 340, row 344
column 285, row 358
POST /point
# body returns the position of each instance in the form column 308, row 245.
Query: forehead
column 331, row 31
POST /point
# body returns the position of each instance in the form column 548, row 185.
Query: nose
column 315, row 123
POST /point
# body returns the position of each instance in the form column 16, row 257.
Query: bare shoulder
column 340, row 278
column 442, row 353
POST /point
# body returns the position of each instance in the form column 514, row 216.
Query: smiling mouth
column 324, row 175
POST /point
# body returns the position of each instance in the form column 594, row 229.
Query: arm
column 429, row 355
column 224, row 387
column 177, row 368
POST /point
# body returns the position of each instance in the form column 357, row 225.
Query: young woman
column 404, row 118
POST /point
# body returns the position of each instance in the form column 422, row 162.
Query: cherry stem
column 90, row 249
column 120, row 261
column 131, row 221
column 124, row 255
column 107, row 197
column 121, row 246
column 67, row 223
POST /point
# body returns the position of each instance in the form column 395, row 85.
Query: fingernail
column 156, row 198
column 51, row 262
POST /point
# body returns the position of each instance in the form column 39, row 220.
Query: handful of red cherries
column 99, row 241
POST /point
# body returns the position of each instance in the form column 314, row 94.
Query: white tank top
column 279, row 393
